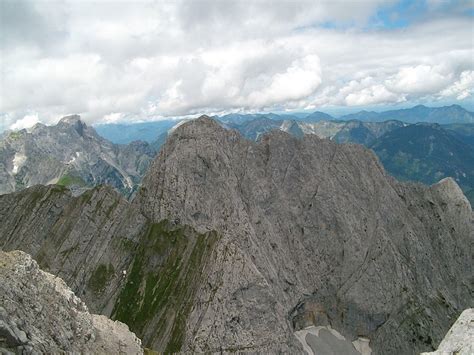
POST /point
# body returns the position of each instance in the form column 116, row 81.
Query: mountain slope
column 464, row 131
column 233, row 245
column 426, row 153
column 70, row 153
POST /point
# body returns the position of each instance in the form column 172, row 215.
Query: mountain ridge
column 285, row 208
column 70, row 153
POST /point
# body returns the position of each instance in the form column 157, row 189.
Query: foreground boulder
column 40, row 314
column 460, row 338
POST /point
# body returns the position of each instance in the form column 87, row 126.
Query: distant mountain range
column 70, row 154
column 427, row 153
column 150, row 131
column 420, row 113
column 126, row 133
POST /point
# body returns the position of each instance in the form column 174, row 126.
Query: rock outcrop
column 460, row 338
column 40, row 314
column 233, row 245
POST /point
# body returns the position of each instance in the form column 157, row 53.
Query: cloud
column 462, row 88
column 421, row 79
column 112, row 61
column 25, row 122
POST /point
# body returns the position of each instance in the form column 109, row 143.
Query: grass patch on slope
column 70, row 180
column 160, row 288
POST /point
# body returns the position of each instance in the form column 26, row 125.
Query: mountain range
column 419, row 113
column 232, row 245
column 149, row 131
column 70, row 154
column 427, row 153
column 75, row 155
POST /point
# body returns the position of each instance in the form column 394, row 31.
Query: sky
column 124, row 61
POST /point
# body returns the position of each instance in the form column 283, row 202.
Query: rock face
column 40, row 314
column 71, row 154
column 309, row 223
column 233, row 245
column 460, row 338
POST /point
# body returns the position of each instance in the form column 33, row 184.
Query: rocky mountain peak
column 70, row 119
column 281, row 200
column 199, row 125
column 75, row 122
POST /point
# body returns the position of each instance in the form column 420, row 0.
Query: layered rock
column 40, row 314
column 233, row 245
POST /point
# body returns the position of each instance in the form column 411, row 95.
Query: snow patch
column 73, row 159
column 358, row 346
column 18, row 161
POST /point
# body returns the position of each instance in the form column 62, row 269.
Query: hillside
column 426, row 153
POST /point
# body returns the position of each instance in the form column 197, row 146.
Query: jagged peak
column 201, row 125
column 75, row 122
column 71, row 119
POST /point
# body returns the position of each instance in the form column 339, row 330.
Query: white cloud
column 420, row 79
column 462, row 88
column 112, row 61
column 25, row 122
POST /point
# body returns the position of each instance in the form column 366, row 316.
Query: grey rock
column 65, row 324
column 311, row 221
column 460, row 338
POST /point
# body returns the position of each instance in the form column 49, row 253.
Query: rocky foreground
column 460, row 338
column 232, row 245
column 40, row 314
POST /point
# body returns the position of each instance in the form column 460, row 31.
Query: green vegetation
column 14, row 135
column 426, row 153
column 69, row 180
column 100, row 277
column 161, row 285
